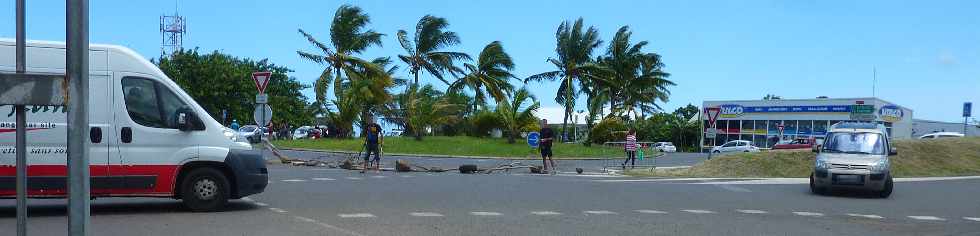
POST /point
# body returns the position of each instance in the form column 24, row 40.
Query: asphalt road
column 322, row 201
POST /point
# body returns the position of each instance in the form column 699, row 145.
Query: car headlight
column 821, row 164
column 880, row 166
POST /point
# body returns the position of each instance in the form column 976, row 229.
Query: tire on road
column 887, row 191
column 467, row 169
column 813, row 187
column 205, row 189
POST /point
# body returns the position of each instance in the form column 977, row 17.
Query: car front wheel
column 205, row 189
column 887, row 191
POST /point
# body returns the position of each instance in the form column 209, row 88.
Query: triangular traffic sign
column 712, row 114
column 261, row 80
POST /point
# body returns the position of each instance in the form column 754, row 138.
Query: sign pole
column 78, row 125
column 21, row 120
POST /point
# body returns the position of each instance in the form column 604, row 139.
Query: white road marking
column 407, row 176
column 866, row 216
column 699, row 211
column 354, row 178
column 733, row 188
column 600, row 212
column 426, row 214
column 933, row 218
column 805, row 213
column 294, row 180
column 972, row 218
column 651, row 211
column 356, row 215
column 545, row 213
column 752, row 211
column 323, row 179
column 304, row 219
column 277, row 210
column 378, row 176
column 485, row 213
column 261, row 204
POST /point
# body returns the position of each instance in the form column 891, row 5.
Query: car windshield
column 247, row 129
column 854, row 143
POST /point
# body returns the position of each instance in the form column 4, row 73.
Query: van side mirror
column 893, row 151
column 186, row 120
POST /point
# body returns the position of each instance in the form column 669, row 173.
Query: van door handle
column 95, row 133
column 127, row 135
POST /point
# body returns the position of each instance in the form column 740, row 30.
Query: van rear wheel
column 204, row 189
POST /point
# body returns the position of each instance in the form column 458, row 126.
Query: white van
column 138, row 148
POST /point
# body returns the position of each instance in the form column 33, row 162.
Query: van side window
column 149, row 103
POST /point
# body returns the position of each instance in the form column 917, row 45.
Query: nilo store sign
column 891, row 113
column 731, row 110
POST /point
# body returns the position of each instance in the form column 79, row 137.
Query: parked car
column 302, row 132
column 800, row 143
column 251, row 133
column 854, row 156
column 942, row 135
column 735, row 146
column 664, row 147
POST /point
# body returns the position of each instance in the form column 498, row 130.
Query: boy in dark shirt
column 547, row 137
column 373, row 140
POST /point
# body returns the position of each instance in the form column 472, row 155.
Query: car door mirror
column 893, row 151
column 183, row 120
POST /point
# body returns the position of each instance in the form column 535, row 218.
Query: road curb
column 448, row 156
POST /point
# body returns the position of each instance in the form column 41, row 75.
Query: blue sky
column 927, row 53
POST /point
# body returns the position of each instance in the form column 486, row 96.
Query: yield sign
column 712, row 113
column 261, row 80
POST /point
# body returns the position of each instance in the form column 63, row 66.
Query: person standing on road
column 547, row 138
column 630, row 147
column 372, row 142
column 234, row 125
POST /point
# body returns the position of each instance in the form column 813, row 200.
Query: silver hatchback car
column 854, row 156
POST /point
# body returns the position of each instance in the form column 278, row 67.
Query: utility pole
column 78, row 125
column 21, row 120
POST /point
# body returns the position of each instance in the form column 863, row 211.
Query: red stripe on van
column 165, row 177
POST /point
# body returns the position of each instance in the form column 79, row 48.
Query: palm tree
column 515, row 114
column 369, row 88
column 423, row 53
column 347, row 38
column 431, row 110
column 345, row 116
column 574, row 63
column 424, row 50
column 636, row 81
column 488, row 77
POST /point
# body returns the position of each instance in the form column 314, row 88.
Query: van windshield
column 854, row 143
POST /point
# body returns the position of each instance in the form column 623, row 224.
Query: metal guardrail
column 648, row 161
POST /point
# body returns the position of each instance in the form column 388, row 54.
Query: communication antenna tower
column 172, row 30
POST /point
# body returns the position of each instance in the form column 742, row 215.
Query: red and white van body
column 141, row 153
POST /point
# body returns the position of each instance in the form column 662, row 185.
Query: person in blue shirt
column 234, row 125
column 372, row 142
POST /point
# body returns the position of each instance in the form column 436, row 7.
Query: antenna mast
column 172, row 30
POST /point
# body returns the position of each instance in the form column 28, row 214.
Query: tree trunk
column 411, row 106
column 337, row 91
column 512, row 137
column 568, row 108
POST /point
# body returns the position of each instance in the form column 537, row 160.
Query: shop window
column 747, row 127
column 820, row 127
column 805, row 127
column 789, row 127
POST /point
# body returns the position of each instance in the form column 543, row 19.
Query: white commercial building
column 764, row 122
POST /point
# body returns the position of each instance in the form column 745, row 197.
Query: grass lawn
column 916, row 158
column 457, row 146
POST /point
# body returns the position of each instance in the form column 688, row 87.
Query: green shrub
column 484, row 121
column 611, row 129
